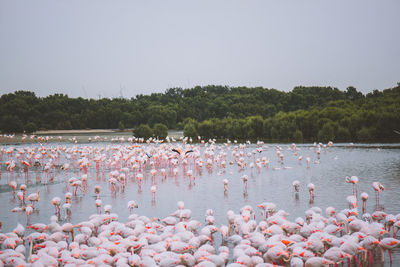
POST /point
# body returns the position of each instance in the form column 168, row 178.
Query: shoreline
column 76, row 131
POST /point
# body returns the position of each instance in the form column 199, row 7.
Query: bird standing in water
column 245, row 178
column 378, row 187
column 311, row 189
column 353, row 180
column 364, row 198
column 296, row 185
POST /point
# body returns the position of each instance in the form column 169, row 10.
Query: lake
column 272, row 182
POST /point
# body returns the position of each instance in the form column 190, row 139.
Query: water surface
column 370, row 163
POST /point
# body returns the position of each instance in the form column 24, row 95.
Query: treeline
column 305, row 113
column 339, row 121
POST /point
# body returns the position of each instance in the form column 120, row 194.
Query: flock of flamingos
column 328, row 237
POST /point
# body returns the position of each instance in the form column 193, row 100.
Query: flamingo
column 131, row 205
column 34, row 197
column 268, row 208
column 28, row 210
column 153, row 173
column 311, row 189
column 308, row 160
column 364, row 198
column 113, row 184
column 388, row 244
column 181, row 205
column 352, row 200
column 153, row 191
column 163, row 173
column 68, row 228
column 77, row 184
column 56, row 201
column 13, row 185
column 107, row 209
column 26, row 166
column 139, row 178
column 225, row 185
column 84, row 179
column 68, row 197
column 353, row 180
column 67, row 207
column 10, row 166
column 21, row 194
column 98, row 205
column 97, row 190
column 378, row 187
column 245, row 178
column 296, row 185
column 175, row 172
column 190, row 174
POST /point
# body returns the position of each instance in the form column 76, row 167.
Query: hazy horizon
column 102, row 48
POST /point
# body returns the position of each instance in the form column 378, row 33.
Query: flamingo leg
column 355, row 258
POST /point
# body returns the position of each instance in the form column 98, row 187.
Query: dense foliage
column 304, row 114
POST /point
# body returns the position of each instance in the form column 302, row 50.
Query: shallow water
column 273, row 184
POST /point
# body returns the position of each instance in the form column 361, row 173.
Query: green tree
column 11, row 124
column 255, row 124
column 206, row 129
column 190, row 131
column 274, row 134
column 353, row 94
column 121, row 126
column 30, row 127
column 327, row 133
column 343, row 134
column 160, row 130
column 143, row 131
column 162, row 114
column 298, row 136
column 67, row 125
column 221, row 111
column 365, row 134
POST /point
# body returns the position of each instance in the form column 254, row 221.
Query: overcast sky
column 92, row 47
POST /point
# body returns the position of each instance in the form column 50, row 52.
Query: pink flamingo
column 139, row 178
column 21, row 193
column 245, row 178
column 97, row 189
column 353, row 180
column 28, row 210
column 311, row 189
column 68, row 197
column 153, row 191
column 77, row 184
column 98, row 205
column 190, row 174
column 364, row 197
column 153, row 173
column 13, row 185
column 388, row 244
column 26, row 166
column 378, row 187
column 56, row 201
column 34, row 198
column 131, row 205
column 163, row 173
column 225, row 185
